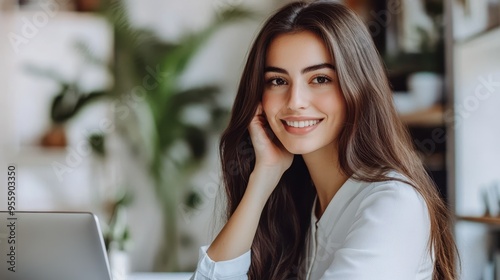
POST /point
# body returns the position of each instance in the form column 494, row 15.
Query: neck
column 326, row 175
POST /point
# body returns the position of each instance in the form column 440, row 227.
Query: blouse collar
column 336, row 206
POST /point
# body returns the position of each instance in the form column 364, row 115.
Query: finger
column 258, row 135
column 259, row 110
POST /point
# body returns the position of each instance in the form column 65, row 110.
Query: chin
column 299, row 149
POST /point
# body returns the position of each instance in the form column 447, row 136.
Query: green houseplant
column 140, row 55
column 66, row 104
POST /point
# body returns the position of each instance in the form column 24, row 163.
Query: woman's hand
column 271, row 161
column 269, row 155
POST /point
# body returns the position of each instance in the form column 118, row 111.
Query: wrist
column 270, row 173
column 261, row 184
column 267, row 176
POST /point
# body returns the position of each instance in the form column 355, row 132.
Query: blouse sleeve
column 234, row 269
column 389, row 238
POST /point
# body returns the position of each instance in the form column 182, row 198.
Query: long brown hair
column 373, row 140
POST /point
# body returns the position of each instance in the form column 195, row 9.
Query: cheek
column 333, row 103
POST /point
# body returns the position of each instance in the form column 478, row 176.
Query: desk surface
column 160, row 276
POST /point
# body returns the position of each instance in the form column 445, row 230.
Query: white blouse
column 368, row 231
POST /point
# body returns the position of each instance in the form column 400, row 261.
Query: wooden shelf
column 429, row 117
column 482, row 220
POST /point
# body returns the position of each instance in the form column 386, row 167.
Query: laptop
column 52, row 246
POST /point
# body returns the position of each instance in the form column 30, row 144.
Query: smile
column 300, row 124
column 300, row 127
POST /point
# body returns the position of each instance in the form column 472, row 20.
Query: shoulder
column 397, row 188
column 393, row 198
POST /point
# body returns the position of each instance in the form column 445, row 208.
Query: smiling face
column 302, row 99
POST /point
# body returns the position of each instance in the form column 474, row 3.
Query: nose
column 297, row 98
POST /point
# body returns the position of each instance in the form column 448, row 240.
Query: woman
column 321, row 178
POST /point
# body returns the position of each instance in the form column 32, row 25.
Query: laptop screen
column 51, row 246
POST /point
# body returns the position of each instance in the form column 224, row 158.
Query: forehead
column 297, row 50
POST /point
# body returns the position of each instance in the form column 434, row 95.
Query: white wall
column 5, row 68
column 477, row 134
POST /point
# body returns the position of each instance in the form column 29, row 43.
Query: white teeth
column 301, row 124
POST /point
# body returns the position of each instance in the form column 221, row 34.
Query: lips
column 300, row 126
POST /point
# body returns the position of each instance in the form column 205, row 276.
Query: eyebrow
column 305, row 70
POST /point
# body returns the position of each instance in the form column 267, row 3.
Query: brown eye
column 321, row 80
column 277, row 82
